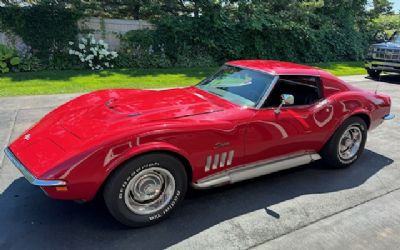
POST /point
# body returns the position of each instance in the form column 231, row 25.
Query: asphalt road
column 309, row 207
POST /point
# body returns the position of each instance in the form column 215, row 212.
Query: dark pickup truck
column 384, row 57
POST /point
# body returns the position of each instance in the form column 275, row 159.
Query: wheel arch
column 364, row 116
column 185, row 162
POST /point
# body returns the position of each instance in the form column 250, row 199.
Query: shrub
column 46, row 28
column 30, row 63
column 8, row 59
column 94, row 54
column 141, row 49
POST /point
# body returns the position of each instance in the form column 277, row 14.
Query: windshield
column 395, row 38
column 241, row 86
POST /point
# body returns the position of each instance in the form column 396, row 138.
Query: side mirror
column 286, row 99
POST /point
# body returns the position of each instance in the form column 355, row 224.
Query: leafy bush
column 46, row 28
column 141, row 49
column 8, row 59
column 30, row 63
column 93, row 53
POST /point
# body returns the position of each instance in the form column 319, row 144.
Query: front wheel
column 146, row 190
column 347, row 143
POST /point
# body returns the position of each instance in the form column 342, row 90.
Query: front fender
column 139, row 149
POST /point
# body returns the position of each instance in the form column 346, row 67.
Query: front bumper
column 389, row 117
column 25, row 172
column 383, row 65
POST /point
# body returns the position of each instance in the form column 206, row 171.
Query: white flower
column 81, row 46
column 71, row 52
column 71, row 43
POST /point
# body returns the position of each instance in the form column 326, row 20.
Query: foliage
column 216, row 31
column 8, row 59
column 141, row 49
column 46, row 28
column 206, row 32
column 30, row 63
column 93, row 53
column 386, row 23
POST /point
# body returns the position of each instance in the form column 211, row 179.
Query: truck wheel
column 146, row 190
column 373, row 73
column 347, row 143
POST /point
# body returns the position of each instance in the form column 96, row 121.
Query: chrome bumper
column 32, row 179
column 382, row 65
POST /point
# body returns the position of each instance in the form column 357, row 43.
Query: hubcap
column 150, row 190
column 350, row 142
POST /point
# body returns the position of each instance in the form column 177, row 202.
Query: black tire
column 331, row 153
column 373, row 73
column 115, row 189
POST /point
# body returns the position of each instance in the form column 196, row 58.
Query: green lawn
column 343, row 68
column 74, row 81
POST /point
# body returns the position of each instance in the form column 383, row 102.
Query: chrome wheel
column 149, row 191
column 350, row 142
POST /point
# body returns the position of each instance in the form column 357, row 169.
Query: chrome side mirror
column 286, row 99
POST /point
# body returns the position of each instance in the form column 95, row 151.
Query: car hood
column 94, row 113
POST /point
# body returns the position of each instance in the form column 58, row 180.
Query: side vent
column 219, row 160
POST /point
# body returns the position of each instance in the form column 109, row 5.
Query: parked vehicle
column 384, row 56
column 143, row 148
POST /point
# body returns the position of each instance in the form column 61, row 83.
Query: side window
column 306, row 90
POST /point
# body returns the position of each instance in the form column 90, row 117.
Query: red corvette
column 142, row 148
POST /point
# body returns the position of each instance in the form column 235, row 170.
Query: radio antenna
column 378, row 84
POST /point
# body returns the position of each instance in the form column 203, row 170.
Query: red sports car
column 143, row 148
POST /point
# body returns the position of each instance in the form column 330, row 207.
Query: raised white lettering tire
column 146, row 189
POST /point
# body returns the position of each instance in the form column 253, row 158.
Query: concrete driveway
column 305, row 208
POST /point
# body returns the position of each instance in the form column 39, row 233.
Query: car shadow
column 29, row 219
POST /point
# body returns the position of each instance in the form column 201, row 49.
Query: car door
column 290, row 130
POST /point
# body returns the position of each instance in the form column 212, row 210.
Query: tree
column 381, row 7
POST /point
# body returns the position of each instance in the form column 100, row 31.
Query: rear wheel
column 374, row 73
column 347, row 143
column 146, row 190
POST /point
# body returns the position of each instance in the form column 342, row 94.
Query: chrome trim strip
column 32, row 179
column 254, row 170
column 230, row 157
column 223, row 159
column 267, row 92
column 389, row 117
column 208, row 163
column 216, row 161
